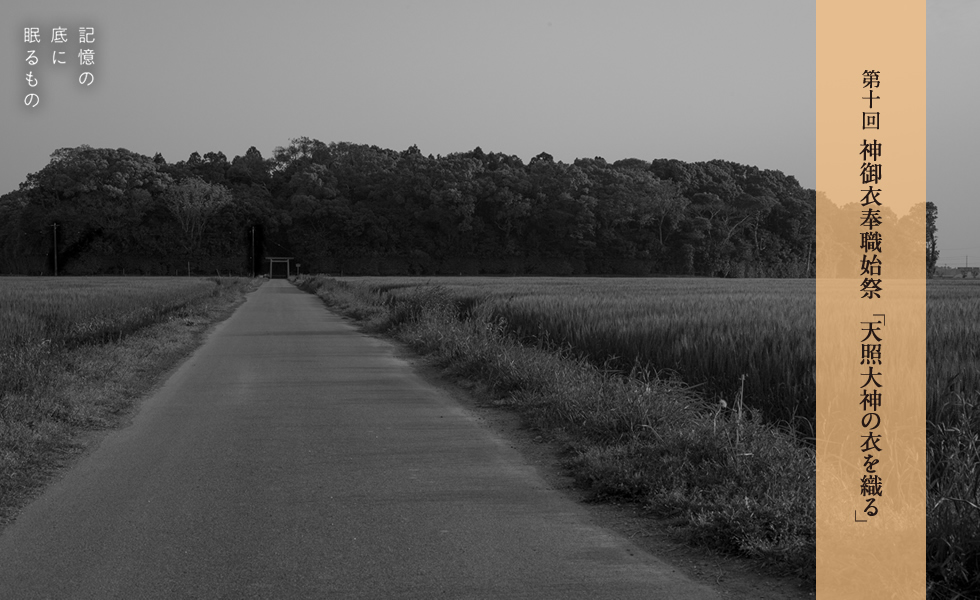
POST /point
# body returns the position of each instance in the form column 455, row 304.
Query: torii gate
column 274, row 260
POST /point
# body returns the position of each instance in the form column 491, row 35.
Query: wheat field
column 40, row 317
column 707, row 332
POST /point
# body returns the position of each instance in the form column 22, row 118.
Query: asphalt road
column 293, row 457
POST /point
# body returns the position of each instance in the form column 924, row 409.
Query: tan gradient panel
column 860, row 555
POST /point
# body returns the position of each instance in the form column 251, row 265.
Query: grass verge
column 66, row 391
column 719, row 475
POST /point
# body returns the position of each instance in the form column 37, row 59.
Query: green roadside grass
column 78, row 354
column 717, row 475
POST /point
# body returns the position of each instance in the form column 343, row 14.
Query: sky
column 953, row 125
column 693, row 80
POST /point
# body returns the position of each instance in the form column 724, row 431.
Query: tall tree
column 193, row 202
column 932, row 248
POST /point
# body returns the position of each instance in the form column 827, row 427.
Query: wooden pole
column 55, row 235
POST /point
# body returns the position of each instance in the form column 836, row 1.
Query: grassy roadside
column 718, row 475
column 61, row 392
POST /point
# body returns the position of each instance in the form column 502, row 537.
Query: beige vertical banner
column 871, row 194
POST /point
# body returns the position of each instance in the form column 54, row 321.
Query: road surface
column 292, row 457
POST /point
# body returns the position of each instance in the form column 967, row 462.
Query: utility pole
column 55, row 236
column 253, row 251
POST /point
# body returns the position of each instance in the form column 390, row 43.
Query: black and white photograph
column 448, row 299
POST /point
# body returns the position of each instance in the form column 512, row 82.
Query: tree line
column 359, row 209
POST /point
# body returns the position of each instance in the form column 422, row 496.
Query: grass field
column 711, row 332
column 720, row 474
column 75, row 353
column 953, row 437
column 42, row 316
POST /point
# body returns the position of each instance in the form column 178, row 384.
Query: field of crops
column 953, row 434
column 41, row 316
column 76, row 353
column 709, row 332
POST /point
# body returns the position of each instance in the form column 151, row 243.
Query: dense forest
column 357, row 209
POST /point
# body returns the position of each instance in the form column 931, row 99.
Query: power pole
column 55, row 236
column 253, row 251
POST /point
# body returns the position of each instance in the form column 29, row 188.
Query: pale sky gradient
column 693, row 80
column 953, row 126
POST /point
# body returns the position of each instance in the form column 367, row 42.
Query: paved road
column 292, row 457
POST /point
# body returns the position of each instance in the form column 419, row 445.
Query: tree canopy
column 354, row 208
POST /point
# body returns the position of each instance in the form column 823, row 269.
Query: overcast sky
column 953, row 125
column 694, row 80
